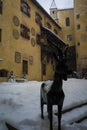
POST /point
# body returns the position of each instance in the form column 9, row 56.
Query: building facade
column 22, row 41
column 80, row 20
column 74, row 30
column 66, row 20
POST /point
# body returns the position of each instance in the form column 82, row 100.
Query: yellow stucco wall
column 80, row 18
column 67, row 30
column 9, row 45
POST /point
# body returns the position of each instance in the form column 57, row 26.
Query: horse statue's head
column 61, row 64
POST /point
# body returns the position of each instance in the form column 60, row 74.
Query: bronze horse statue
column 54, row 95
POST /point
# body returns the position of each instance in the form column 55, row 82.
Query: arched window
column 67, row 21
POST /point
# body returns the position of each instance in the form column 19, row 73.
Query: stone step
column 75, row 114
column 73, row 107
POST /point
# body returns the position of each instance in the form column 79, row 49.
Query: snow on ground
column 20, row 105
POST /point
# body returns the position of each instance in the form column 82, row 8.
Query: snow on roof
column 47, row 29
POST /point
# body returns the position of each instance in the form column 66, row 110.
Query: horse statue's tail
column 43, row 93
column 42, row 85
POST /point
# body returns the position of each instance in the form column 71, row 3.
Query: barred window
column 25, row 32
column 25, row 8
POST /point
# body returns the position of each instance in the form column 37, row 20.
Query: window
column 48, row 25
column 78, row 26
column 53, row 12
column 25, row 8
column 38, row 18
column 3, row 73
column 78, row 43
column 0, row 6
column 67, row 21
column 0, row 34
column 69, row 37
column 25, row 32
column 78, row 16
column 55, row 31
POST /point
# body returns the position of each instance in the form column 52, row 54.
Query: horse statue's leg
column 60, row 105
column 41, row 102
column 59, row 116
column 50, row 115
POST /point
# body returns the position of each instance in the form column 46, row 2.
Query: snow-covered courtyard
column 20, row 105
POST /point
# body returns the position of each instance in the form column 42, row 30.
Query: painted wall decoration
column 30, row 60
column 17, row 57
column 33, row 31
column 33, row 42
column 16, row 21
column 16, row 34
